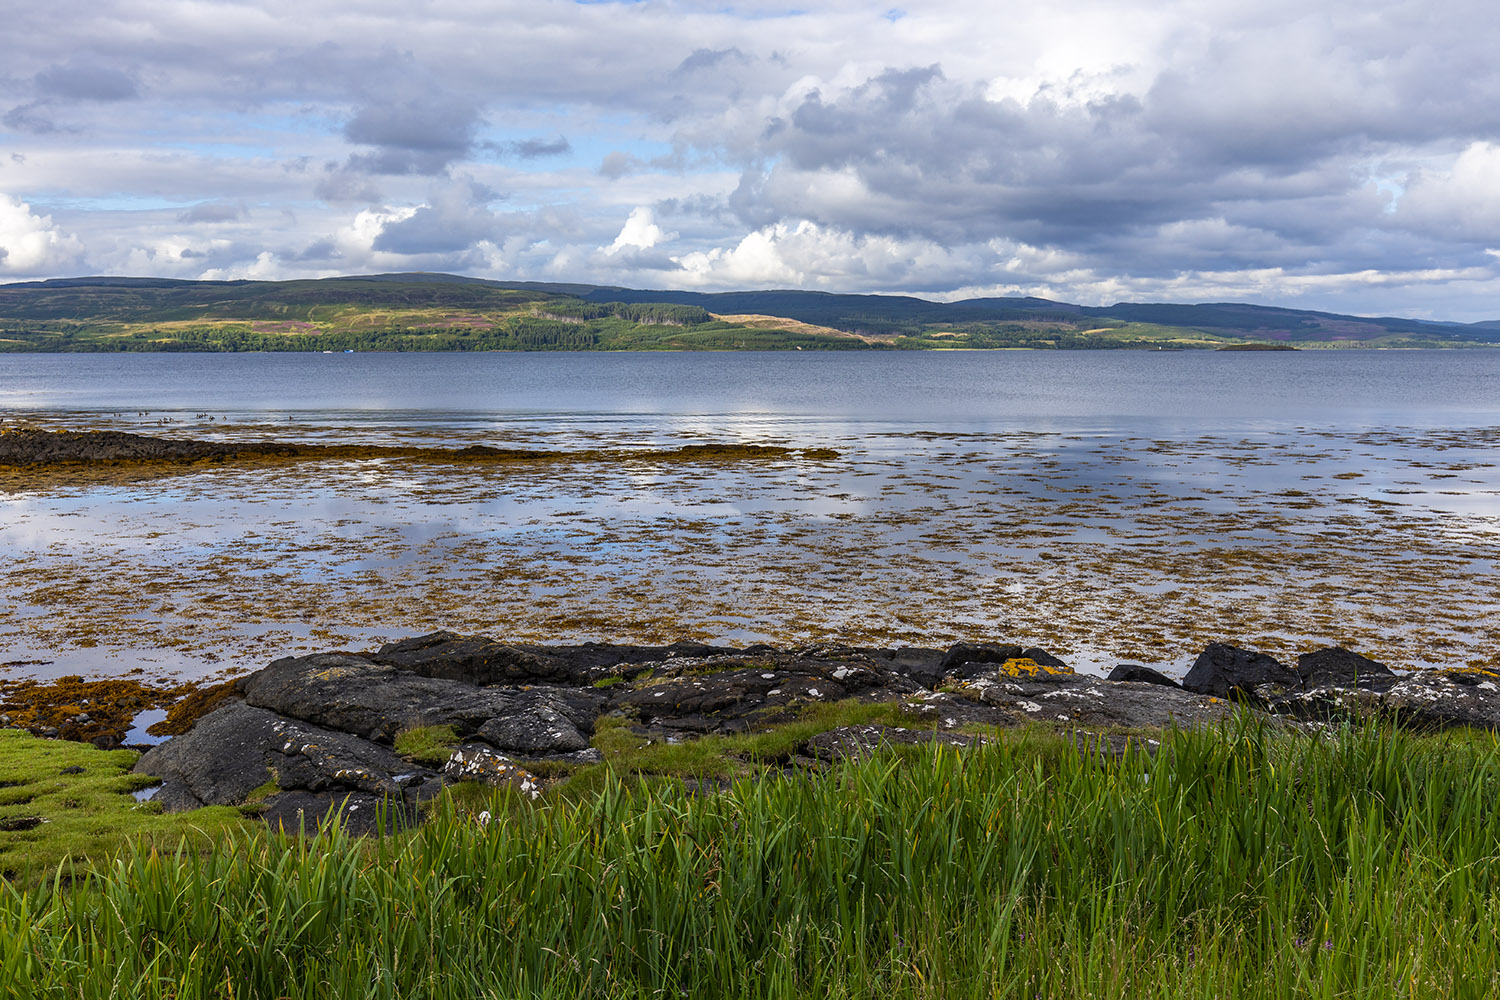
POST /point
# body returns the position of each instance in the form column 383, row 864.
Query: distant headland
column 444, row 312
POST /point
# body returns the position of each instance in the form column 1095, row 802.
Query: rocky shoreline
column 313, row 735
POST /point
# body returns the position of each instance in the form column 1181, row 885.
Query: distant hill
column 421, row 311
column 875, row 313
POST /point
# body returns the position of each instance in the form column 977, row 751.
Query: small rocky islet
column 312, row 736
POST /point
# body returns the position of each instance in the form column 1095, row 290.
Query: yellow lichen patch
column 1025, row 666
column 1471, row 671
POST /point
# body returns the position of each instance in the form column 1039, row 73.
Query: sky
column 1319, row 154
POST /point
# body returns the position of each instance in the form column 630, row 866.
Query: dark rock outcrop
column 376, row 701
column 1339, row 667
column 971, row 659
column 1134, row 673
column 238, row 748
column 1440, row 699
column 1223, row 671
column 538, row 727
column 321, row 728
column 482, row 661
column 1082, row 699
column 481, row 764
column 728, row 694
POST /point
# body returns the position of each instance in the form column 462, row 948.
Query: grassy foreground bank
column 1239, row 863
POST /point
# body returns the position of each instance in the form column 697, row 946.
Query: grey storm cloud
column 457, row 217
column 212, row 211
column 84, row 81
column 322, row 250
column 532, row 149
column 917, row 154
column 29, row 118
column 413, row 135
column 706, row 59
column 340, row 184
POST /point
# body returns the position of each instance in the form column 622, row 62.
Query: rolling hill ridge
column 404, row 312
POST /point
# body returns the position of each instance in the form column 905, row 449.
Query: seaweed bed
column 30, row 448
column 1102, row 547
column 101, row 711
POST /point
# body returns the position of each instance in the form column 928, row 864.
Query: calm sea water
column 1214, row 391
column 1107, row 505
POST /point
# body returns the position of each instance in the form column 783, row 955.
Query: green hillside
column 439, row 312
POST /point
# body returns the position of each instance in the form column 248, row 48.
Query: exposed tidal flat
column 1098, row 509
column 1107, row 507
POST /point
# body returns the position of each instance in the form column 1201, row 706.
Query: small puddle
column 138, row 726
column 145, row 794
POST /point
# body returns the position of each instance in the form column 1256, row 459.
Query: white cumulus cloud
column 31, row 243
column 640, row 231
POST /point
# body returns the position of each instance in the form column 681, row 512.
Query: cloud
column 339, row 184
column 1081, row 148
column 640, row 232
column 31, row 244
column 707, row 59
column 212, row 211
column 1461, row 199
column 619, row 164
column 457, row 217
column 322, row 250
column 28, row 118
column 85, row 81
column 535, row 149
column 413, row 135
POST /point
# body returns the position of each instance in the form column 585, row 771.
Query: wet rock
column 972, row 659
column 472, row 660
column 1221, row 669
column 376, row 701
column 479, row 660
column 857, row 742
column 1443, row 698
column 1339, row 667
column 476, row 762
column 1084, row 699
column 1134, row 673
column 235, row 749
column 588, row 755
column 540, row 729
column 722, row 694
column 173, row 795
column 359, row 813
column 26, row 446
column 920, row 664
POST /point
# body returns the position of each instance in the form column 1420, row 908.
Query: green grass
column 47, row 817
column 1241, row 863
column 427, row 745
